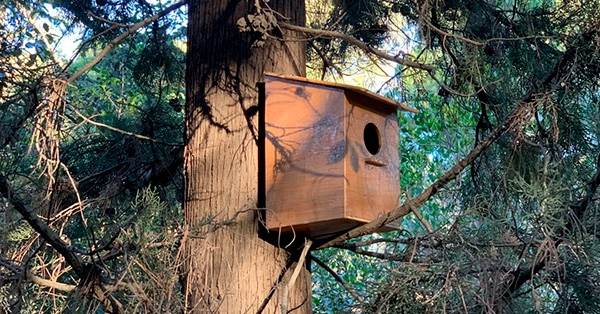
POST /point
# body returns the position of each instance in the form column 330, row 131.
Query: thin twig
column 18, row 270
column 415, row 211
column 353, row 41
column 49, row 283
column 458, row 37
column 42, row 229
column 114, row 129
column 338, row 279
column 76, row 190
column 292, row 281
column 112, row 23
column 274, row 286
column 383, row 256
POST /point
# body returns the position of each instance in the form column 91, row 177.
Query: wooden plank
column 324, row 173
column 304, row 144
column 379, row 100
column 372, row 182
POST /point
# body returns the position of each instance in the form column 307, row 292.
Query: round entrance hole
column 372, row 138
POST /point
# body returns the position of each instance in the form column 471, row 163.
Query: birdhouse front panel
column 304, row 168
column 372, row 182
column 331, row 160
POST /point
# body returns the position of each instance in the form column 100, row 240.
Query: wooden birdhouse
column 330, row 155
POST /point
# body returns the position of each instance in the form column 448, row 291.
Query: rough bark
column 231, row 270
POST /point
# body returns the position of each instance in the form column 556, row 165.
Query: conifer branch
column 42, row 228
column 130, row 30
column 353, row 41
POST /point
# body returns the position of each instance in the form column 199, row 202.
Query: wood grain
column 320, row 177
column 231, row 270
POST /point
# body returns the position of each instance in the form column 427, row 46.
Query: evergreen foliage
column 120, row 133
column 99, row 164
column 508, row 233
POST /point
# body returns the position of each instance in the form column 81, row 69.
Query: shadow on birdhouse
column 329, row 157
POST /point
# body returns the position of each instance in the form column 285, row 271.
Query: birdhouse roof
column 362, row 91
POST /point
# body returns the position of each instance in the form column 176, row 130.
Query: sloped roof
column 356, row 89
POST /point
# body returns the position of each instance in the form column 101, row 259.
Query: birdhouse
column 330, row 155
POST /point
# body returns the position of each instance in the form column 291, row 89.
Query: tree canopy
column 500, row 168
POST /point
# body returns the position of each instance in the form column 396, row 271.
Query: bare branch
column 274, row 286
column 353, row 41
column 49, row 283
column 42, row 229
column 416, row 212
column 382, row 240
column 356, row 249
column 337, row 278
column 292, row 281
column 455, row 36
column 522, row 275
column 114, row 129
column 112, row 23
column 10, row 265
column 18, row 270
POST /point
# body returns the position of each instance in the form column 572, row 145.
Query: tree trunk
column 231, row 270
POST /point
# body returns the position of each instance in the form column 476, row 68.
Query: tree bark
column 231, row 270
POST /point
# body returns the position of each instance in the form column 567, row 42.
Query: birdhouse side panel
column 372, row 168
column 304, row 151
